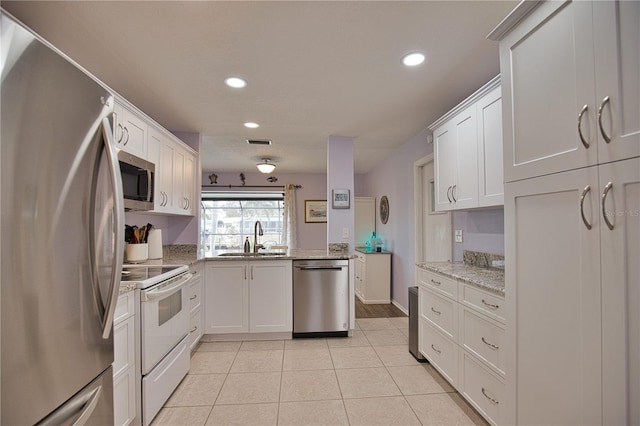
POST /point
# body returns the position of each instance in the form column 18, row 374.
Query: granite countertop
column 371, row 251
column 490, row 279
column 294, row 254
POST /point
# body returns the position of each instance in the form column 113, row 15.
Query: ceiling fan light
column 266, row 166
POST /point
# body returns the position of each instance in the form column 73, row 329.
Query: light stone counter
column 490, row 279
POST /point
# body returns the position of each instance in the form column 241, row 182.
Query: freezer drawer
column 320, row 298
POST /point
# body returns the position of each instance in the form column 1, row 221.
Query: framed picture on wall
column 340, row 199
column 315, row 211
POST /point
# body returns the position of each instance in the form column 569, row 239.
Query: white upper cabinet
column 563, row 109
column 130, row 131
column 468, row 152
column 617, row 56
column 175, row 175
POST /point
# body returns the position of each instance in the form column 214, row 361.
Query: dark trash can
column 413, row 325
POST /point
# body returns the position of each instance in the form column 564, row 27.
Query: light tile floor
column 367, row 379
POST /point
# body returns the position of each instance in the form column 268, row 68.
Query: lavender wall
column 340, row 176
column 394, row 178
column 314, row 187
column 482, row 230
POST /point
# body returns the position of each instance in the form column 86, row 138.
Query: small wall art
column 315, row 211
column 340, row 199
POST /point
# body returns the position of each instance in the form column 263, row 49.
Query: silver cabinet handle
column 607, row 188
column 489, row 305
column 584, row 142
column 495, row 401
column 127, row 132
column 448, row 198
column 435, row 282
column 193, row 329
column 121, row 133
column 166, row 198
column 435, row 312
column 606, row 137
column 195, row 296
column 584, row 193
column 491, row 345
column 453, row 195
column 438, row 351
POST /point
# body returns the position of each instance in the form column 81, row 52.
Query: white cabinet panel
column 441, row 312
column 440, row 284
column 270, row 297
column 483, row 338
column 130, row 131
column 441, row 351
column 482, row 388
column 373, row 277
column 553, row 279
column 226, row 297
column 620, row 258
column 490, row 175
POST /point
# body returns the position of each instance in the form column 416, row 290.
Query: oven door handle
column 157, row 294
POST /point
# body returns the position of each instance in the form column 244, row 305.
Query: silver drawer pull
column 435, row 282
column 195, row 296
column 435, row 312
column 606, row 137
column 495, row 401
column 491, row 345
column 436, row 349
column 489, row 305
column 193, row 329
column 584, row 142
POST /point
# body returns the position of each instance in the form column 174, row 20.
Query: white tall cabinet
column 572, row 211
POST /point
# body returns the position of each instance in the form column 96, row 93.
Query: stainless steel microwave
column 138, row 178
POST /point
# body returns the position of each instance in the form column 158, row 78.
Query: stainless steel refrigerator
column 61, row 248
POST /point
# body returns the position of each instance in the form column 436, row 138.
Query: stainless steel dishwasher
column 320, row 298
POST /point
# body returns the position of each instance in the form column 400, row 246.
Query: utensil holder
column 137, row 252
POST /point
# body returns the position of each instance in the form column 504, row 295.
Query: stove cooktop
column 146, row 276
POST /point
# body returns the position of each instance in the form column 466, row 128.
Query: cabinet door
column 365, row 219
column 548, row 75
column 617, row 55
column 621, row 293
column 226, row 298
column 179, row 202
column 270, row 296
column 553, row 300
column 188, row 183
column 164, row 175
column 490, row 176
column 465, row 188
column 130, row 131
column 444, row 152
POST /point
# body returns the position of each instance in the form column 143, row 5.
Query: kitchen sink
column 242, row 254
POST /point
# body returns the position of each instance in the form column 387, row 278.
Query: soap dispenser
column 247, row 245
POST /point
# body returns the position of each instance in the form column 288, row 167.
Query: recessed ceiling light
column 413, row 59
column 235, row 82
column 251, row 125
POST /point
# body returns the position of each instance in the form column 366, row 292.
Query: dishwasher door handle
column 319, row 268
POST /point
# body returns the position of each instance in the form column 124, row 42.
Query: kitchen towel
column 155, row 243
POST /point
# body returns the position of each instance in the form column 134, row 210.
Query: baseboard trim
column 399, row 306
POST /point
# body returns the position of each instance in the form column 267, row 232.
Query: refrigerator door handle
column 107, row 312
column 82, row 407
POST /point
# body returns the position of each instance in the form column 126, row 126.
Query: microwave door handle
column 107, row 312
column 149, row 185
column 157, row 294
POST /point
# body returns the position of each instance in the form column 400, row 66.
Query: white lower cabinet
column 248, row 297
column 124, row 364
column 373, row 277
column 462, row 333
column 195, row 306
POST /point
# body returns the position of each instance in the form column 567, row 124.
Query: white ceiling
column 314, row 69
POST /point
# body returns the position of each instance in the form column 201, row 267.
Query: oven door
column 165, row 319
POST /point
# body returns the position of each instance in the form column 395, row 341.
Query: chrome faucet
column 257, row 230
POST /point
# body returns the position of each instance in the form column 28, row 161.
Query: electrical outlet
column 345, row 232
column 458, row 235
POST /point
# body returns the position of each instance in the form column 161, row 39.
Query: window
column 227, row 219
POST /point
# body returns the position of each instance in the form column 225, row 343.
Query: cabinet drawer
column 125, row 307
column 484, row 391
column 123, row 345
column 484, row 338
column 439, row 283
column 440, row 311
column 195, row 329
column 485, row 302
column 195, row 294
column 441, row 351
